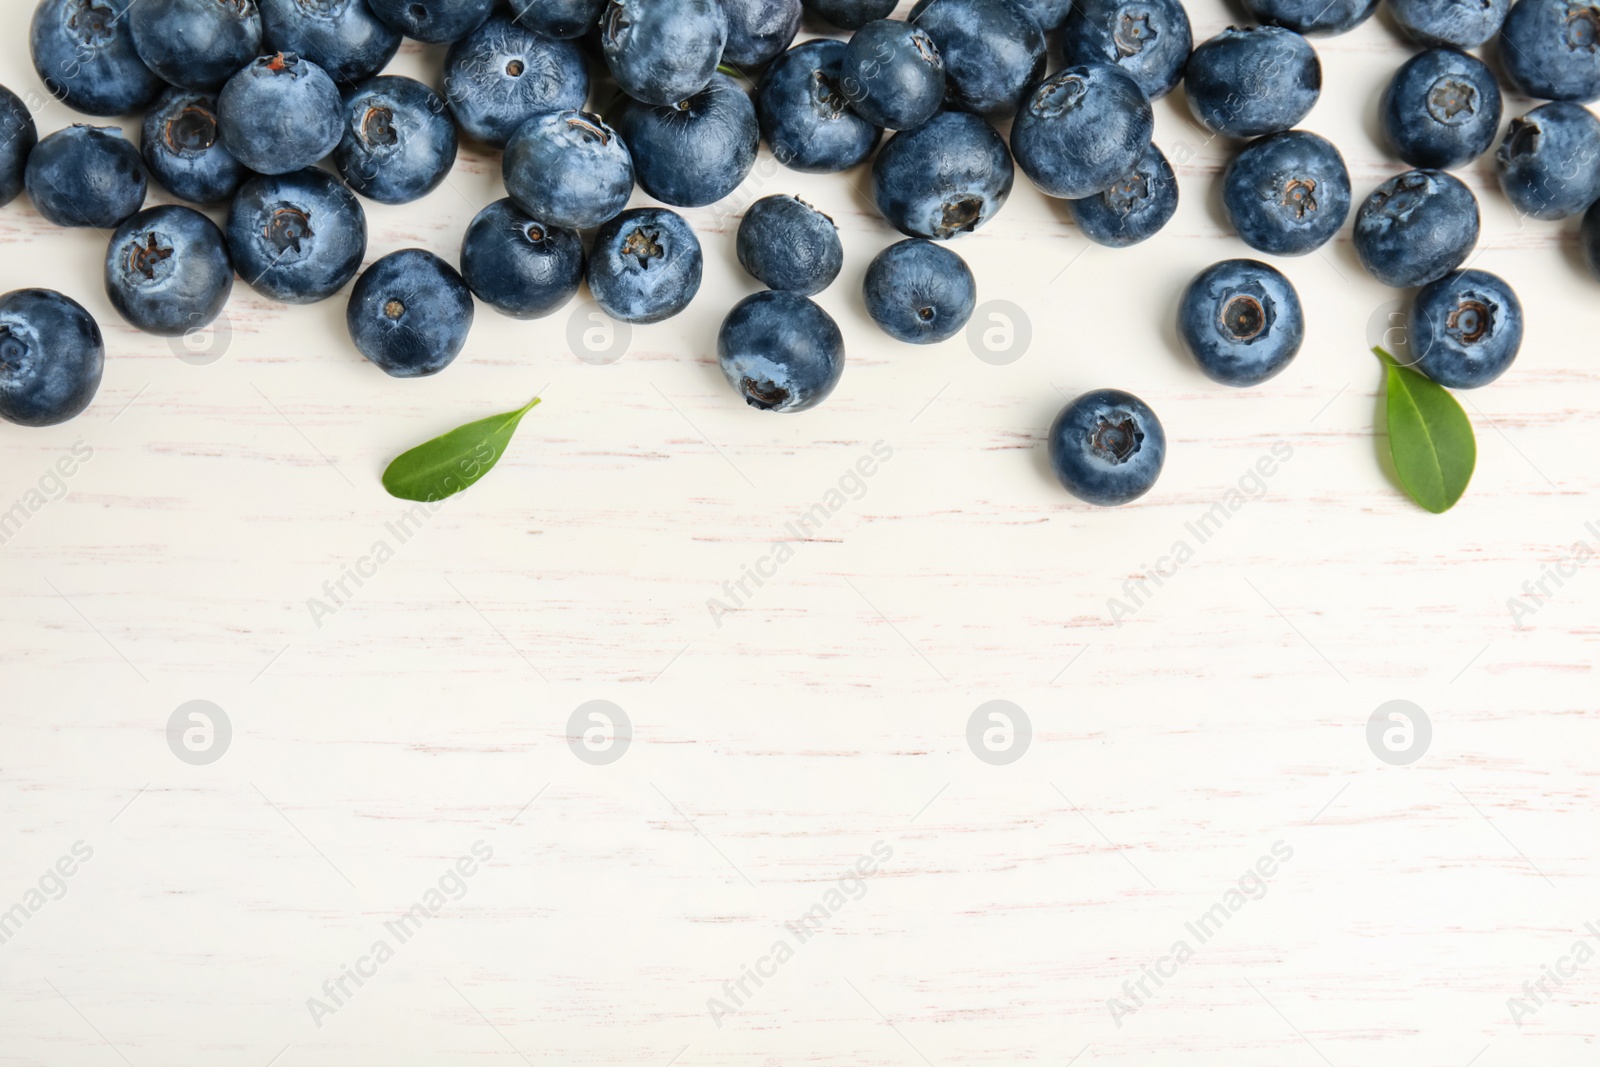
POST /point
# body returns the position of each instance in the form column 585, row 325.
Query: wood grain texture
column 776, row 744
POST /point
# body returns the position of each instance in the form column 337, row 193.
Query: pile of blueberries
column 242, row 99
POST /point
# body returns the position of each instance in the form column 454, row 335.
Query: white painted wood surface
column 826, row 715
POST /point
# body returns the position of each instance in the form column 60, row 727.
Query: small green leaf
column 1430, row 437
column 446, row 465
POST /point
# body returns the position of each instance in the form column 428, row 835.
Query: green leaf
column 446, row 465
column 1430, row 438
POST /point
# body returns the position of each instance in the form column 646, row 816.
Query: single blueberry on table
column 501, row 75
column 1049, row 14
column 919, row 292
column 195, row 44
column 759, row 30
column 1549, row 161
column 645, row 265
column 410, row 313
column 296, row 238
column 86, row 176
column 518, row 265
column 1550, row 49
column 51, row 357
column 434, row 21
column 563, row 19
column 18, row 136
column 279, row 114
column 1416, row 228
column 1287, row 194
column 569, row 169
column 343, row 37
column 1253, row 80
column 663, row 51
column 993, row 52
column 893, row 75
column 1081, row 130
column 1241, row 321
column 850, row 14
column 168, row 271
column 1134, row 207
column 945, row 178
column 1442, row 109
column 399, row 143
column 1148, row 40
column 780, row 351
column 1449, row 23
column 1107, row 447
column 182, row 146
column 697, row 151
column 785, row 243
column 83, row 51
column 1312, row 16
column 804, row 116
column 1465, row 329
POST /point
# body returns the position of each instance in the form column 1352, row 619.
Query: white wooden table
column 223, row 906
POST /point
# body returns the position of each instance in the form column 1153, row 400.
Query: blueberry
column 993, row 52
column 182, row 147
column 759, row 30
column 279, row 114
column 434, row 21
column 1049, row 14
column 51, row 357
column 1241, row 321
column 645, row 265
column 1082, row 129
column 1550, row 49
column 410, row 313
column 785, row 243
column 297, row 238
column 86, row 176
column 564, row 19
column 695, row 152
column 1148, row 39
column 1312, row 16
column 1107, row 447
column 1465, row 328
column 399, row 143
column 1442, row 109
column 1416, row 227
column 780, row 351
column 1254, row 80
column 18, row 136
column 1449, row 23
column 804, row 115
column 945, row 178
column 195, row 44
column 83, row 51
column 919, row 292
column 1287, row 194
column 501, row 75
column 1135, row 206
column 519, row 265
column 569, row 169
column 663, row 51
column 343, row 37
column 850, row 14
column 1549, row 161
column 168, row 271
column 893, row 75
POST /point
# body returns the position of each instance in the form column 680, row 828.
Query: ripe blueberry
column 1550, row 49
column 1082, row 129
column 83, row 51
column 501, row 75
column 568, row 168
column 645, row 265
column 1449, row 23
column 279, row 114
column 195, row 44
column 1251, row 81
column 168, row 271
column 18, row 136
column 433, row 21
column 410, row 313
column 1442, row 109
column 1312, row 16
column 1465, row 329
column 1416, row 227
column 183, row 148
column 694, row 152
column 1549, row 161
column 297, row 238
column 399, row 143
column 759, row 30
column 519, row 265
column 780, row 351
column 804, row 115
column 1135, row 206
column 663, row 51
column 86, row 176
column 51, row 357
column 1241, row 321
column 1287, row 194
column 945, row 178
column 1107, row 447
column 343, row 37
column 1148, row 40
column 893, row 75
column 919, row 292
column 785, row 243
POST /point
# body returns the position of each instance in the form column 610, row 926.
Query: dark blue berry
column 1082, row 129
column 1241, row 321
column 893, row 75
column 410, row 314
column 182, row 146
column 993, row 51
column 1449, row 23
column 759, row 30
column 86, row 176
column 1550, row 49
column 785, row 243
column 1416, row 227
column 1148, row 40
column 804, row 115
column 399, row 143
column 434, row 21
column 1287, row 194
column 1135, row 206
column 1549, row 161
column 168, row 271
column 569, row 169
column 18, row 136
column 519, row 265
column 343, row 37
column 51, row 357
column 645, row 265
column 565, row 19
column 195, row 44
column 1107, row 447
column 663, row 51
column 1465, row 329
column 1312, row 16
column 945, row 178
column 919, row 292
column 83, row 51
column 780, row 351
column 1442, row 109
column 501, row 75
column 297, row 238
column 1254, row 80
column 695, row 152
column 850, row 14
column 279, row 114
